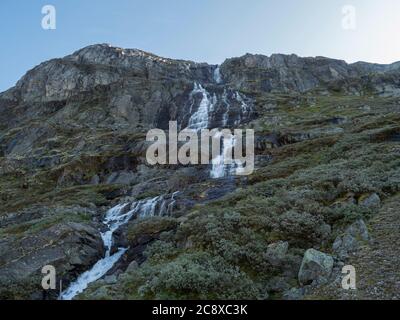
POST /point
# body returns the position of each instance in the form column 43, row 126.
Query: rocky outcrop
column 290, row 73
column 316, row 267
column 102, row 65
column 282, row 73
column 126, row 82
column 354, row 236
column 71, row 248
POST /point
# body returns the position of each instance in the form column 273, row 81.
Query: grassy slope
column 218, row 249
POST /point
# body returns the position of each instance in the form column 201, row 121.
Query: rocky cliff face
column 290, row 73
column 72, row 145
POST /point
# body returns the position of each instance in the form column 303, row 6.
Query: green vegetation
column 218, row 249
column 310, row 191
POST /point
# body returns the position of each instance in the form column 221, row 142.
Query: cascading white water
column 116, row 217
column 200, row 119
column 170, row 206
column 217, row 75
column 245, row 108
column 219, row 168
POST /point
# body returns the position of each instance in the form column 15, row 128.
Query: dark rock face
column 71, row 248
column 127, row 89
column 115, row 89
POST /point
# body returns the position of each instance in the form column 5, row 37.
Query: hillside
column 72, row 147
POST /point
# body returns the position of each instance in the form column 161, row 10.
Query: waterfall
column 116, row 217
column 170, row 206
column 219, row 168
column 217, row 75
column 244, row 111
column 245, row 108
column 200, row 119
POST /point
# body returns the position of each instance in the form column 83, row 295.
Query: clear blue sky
column 200, row 30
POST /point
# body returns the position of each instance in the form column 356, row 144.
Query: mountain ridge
column 105, row 54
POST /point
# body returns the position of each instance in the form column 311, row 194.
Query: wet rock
column 316, row 266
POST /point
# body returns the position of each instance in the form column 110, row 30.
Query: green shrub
column 190, row 276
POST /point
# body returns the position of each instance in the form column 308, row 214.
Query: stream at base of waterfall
column 116, row 217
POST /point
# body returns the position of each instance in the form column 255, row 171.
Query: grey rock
column 290, row 73
column 359, row 230
column 132, row 267
column 121, row 177
column 371, row 201
column 276, row 252
column 350, row 241
column 278, row 284
column 316, row 266
column 112, row 279
column 324, row 230
column 70, row 247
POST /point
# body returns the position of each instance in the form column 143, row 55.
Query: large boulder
column 316, row 266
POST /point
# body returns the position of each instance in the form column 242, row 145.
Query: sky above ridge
column 199, row 30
